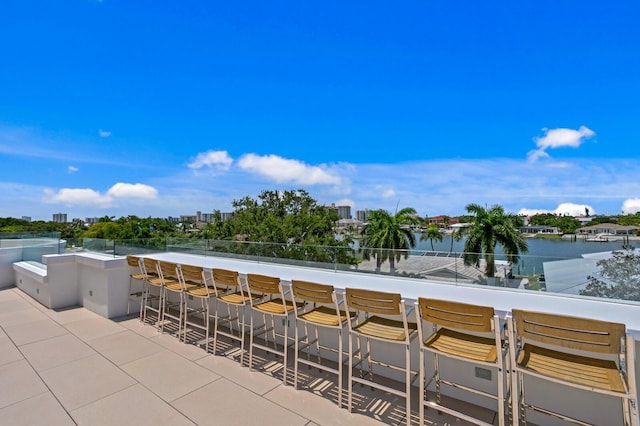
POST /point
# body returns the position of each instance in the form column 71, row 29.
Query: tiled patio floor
column 74, row 367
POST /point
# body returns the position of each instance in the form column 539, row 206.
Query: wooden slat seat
column 325, row 316
column 275, row 306
column 385, row 328
column 155, row 281
column 463, row 345
column 175, row 285
column 200, row 291
column 586, row 371
column 235, row 298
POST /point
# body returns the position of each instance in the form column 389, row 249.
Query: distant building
column 207, row 217
column 343, row 212
column 443, row 220
column 353, row 225
column 60, row 217
column 540, row 229
column 27, row 218
column 226, row 215
column 607, row 228
column 362, row 215
column 91, row 220
column 188, row 218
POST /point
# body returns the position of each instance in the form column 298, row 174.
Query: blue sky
column 153, row 108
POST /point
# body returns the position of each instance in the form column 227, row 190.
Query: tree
column 630, row 219
column 389, row 237
column 618, row 277
column 104, row 230
column 291, row 222
column 456, row 235
column 432, row 232
column 279, row 217
column 490, row 227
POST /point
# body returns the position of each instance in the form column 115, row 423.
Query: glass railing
column 30, row 246
column 28, row 235
column 572, row 269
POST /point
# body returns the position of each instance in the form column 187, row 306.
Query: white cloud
column 631, row 206
column 218, row 161
column 564, row 209
column 345, row 202
column 104, row 133
column 72, row 169
column 572, row 209
column 536, row 154
column 283, row 170
column 558, row 138
column 77, row 196
column 386, row 192
column 532, row 212
column 136, row 190
column 91, row 197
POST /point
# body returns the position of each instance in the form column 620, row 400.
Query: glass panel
column 574, row 268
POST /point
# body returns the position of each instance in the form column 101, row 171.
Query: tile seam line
column 46, row 385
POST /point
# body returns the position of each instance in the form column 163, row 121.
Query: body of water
column 540, row 250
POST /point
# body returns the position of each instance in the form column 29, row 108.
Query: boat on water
column 603, row 238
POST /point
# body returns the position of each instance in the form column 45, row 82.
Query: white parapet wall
column 100, row 283
column 33, row 278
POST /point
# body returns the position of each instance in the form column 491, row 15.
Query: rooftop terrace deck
column 72, row 366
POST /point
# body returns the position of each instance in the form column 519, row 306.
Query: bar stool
column 232, row 297
column 171, row 285
column 467, row 333
column 582, row 353
column 268, row 300
column 319, row 309
column 194, row 282
column 152, row 295
column 136, row 273
column 379, row 316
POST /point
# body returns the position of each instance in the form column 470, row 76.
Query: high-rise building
column 60, row 217
column 91, row 220
column 207, row 217
column 188, row 218
column 362, row 215
column 344, row 212
column 226, row 215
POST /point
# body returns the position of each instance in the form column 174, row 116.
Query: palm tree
column 490, row 227
column 456, row 235
column 389, row 237
column 432, row 232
